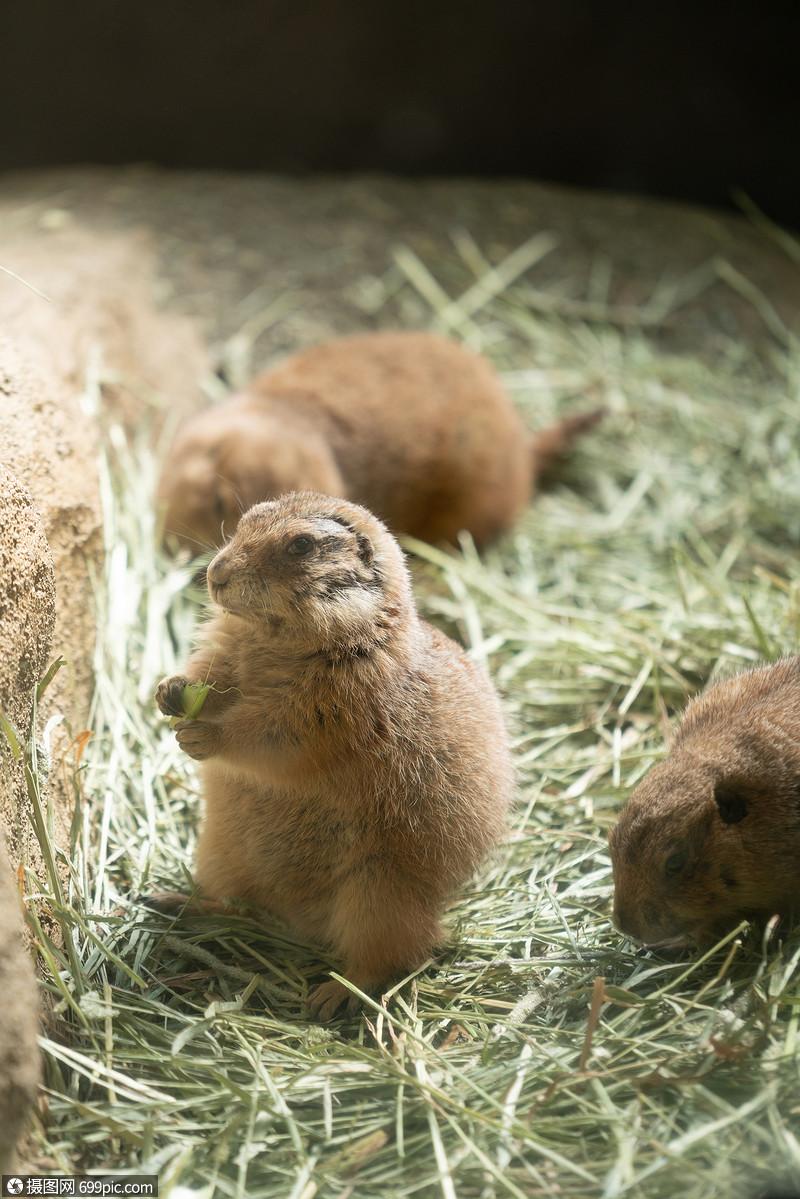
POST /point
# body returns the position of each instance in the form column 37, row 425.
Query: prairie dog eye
column 299, row 547
column 675, row 863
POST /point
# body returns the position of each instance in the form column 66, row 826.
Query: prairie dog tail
column 551, row 445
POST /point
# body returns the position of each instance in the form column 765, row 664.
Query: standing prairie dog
column 712, row 834
column 356, row 768
column 413, row 426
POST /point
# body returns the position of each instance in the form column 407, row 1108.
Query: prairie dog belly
column 259, row 844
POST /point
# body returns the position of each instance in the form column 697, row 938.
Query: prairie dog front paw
column 199, row 738
column 169, row 695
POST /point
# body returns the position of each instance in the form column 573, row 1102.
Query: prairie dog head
column 711, row 836
column 316, row 569
column 233, row 456
column 676, row 857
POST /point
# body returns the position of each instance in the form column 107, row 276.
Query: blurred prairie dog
column 711, row 835
column 413, row 426
column 356, row 768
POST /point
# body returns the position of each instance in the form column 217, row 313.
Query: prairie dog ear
column 364, row 547
column 366, row 551
column 732, row 801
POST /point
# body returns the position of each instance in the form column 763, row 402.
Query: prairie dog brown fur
column 712, row 834
column 356, row 768
column 413, row 426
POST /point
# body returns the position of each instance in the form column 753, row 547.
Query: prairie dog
column 712, row 834
column 356, row 768
column 413, row 426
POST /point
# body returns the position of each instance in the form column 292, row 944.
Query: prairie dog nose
column 218, row 570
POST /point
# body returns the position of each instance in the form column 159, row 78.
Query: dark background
column 683, row 100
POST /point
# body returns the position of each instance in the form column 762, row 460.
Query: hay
column 506, row 1068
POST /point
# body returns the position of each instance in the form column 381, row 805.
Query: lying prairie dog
column 711, row 835
column 356, row 767
column 413, row 426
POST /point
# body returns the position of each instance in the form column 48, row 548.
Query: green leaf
column 11, row 736
column 620, row 995
column 49, row 675
column 193, row 697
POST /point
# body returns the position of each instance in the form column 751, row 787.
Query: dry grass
column 506, row 1069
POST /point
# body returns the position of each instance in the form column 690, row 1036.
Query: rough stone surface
column 50, row 447
column 95, row 349
column 27, row 620
column 19, row 1054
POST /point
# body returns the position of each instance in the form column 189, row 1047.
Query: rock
column 82, row 347
column 83, row 344
column 27, row 620
column 19, row 1051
